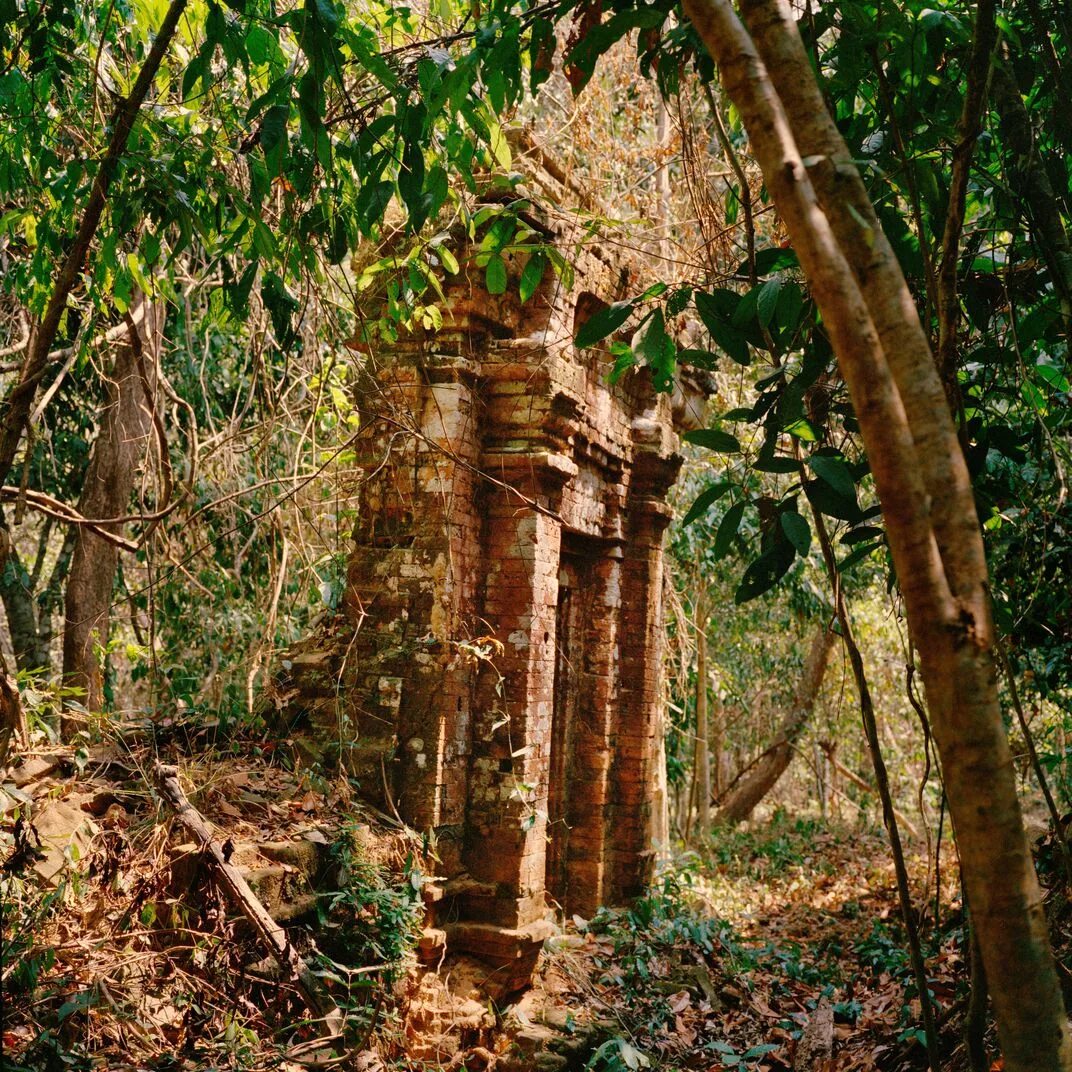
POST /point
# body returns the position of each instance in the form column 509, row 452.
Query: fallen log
column 230, row 878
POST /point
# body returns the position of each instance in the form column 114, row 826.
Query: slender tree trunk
column 968, row 130
column 716, row 719
column 126, row 423
column 766, row 772
column 30, row 621
column 925, row 491
column 702, row 773
column 17, row 597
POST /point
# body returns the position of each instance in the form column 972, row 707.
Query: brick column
column 640, row 697
column 412, row 586
column 588, row 760
column 511, row 731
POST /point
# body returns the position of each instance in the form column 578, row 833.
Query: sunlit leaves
column 653, row 344
column 531, row 275
column 495, row 275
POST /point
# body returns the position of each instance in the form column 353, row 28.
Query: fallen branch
column 230, row 878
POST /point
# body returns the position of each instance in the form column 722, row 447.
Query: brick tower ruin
column 500, row 679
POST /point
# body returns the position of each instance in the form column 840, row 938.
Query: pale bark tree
column 702, row 765
column 30, row 618
column 121, row 444
column 925, row 490
column 766, row 772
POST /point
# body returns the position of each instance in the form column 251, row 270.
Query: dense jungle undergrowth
column 843, row 238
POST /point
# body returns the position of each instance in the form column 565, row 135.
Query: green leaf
column 770, row 260
column 273, row 127
column 447, row 259
column 532, row 274
column 797, row 531
column 704, row 500
column 763, row 574
column 500, row 147
column 495, row 275
column 861, row 532
column 714, row 439
column 802, row 429
column 372, row 201
column 601, row 324
column 790, row 306
column 713, row 312
column 654, row 345
column 727, row 530
column 827, row 501
column 858, row 555
column 767, row 301
column 769, row 462
column 759, row 1051
column 836, row 473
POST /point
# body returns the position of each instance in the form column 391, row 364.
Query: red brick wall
column 488, row 451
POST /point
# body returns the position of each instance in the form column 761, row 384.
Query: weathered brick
column 534, row 751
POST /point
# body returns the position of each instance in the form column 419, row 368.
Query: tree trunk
column 925, row 491
column 702, row 773
column 769, row 768
column 26, row 643
column 16, row 407
column 109, row 482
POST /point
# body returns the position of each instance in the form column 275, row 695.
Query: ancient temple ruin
column 499, row 681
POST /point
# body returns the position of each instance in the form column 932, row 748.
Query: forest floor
column 774, row 941
column 792, row 924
